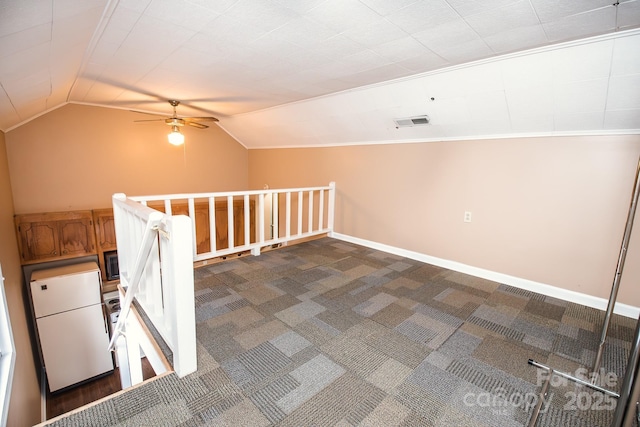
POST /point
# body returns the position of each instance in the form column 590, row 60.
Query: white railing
column 156, row 268
column 250, row 220
column 160, row 237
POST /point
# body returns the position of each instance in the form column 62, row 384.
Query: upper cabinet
column 105, row 229
column 105, row 239
column 59, row 235
column 55, row 235
column 202, row 218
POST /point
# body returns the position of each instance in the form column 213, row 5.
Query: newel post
column 181, row 278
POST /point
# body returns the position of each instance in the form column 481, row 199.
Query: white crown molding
column 517, row 282
column 460, row 138
column 24, row 122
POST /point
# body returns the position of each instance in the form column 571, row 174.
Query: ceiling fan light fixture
column 176, row 137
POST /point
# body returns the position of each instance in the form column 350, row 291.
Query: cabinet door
column 222, row 230
column 38, row 240
column 222, row 226
column 76, row 237
column 105, row 234
column 54, row 235
column 105, row 229
column 201, row 221
column 203, row 241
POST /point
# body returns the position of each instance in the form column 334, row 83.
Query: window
column 7, row 354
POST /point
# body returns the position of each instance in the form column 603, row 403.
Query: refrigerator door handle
column 104, row 319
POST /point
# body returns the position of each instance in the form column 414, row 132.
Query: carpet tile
column 290, row 343
column 266, row 398
column 329, row 333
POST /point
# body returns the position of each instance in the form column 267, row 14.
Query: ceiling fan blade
column 149, row 113
column 176, row 120
column 196, row 125
column 202, row 119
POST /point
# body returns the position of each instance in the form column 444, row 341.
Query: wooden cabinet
column 203, row 241
column 201, row 220
column 222, row 228
column 59, row 235
column 55, row 235
column 105, row 231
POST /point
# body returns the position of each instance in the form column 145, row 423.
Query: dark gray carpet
column 328, row 333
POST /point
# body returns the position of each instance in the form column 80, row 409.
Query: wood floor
column 68, row 400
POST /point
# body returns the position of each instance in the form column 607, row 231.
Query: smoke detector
column 411, row 121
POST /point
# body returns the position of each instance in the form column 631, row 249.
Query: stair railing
column 156, row 268
column 250, row 220
column 156, row 252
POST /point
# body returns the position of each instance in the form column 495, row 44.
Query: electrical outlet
column 467, row 216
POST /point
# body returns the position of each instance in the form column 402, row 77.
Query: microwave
column 111, row 265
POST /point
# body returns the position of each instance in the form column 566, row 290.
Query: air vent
column 412, row 121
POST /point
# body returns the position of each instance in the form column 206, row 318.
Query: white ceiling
column 585, row 87
column 323, row 72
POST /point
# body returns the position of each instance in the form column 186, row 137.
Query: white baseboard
column 529, row 285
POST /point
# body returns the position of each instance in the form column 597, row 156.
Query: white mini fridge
column 72, row 328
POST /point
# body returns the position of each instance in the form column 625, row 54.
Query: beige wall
column 78, row 156
column 551, row 210
column 24, row 406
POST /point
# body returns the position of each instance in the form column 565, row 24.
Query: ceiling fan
column 176, row 137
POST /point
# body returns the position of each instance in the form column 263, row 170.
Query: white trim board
column 602, row 132
column 517, row 282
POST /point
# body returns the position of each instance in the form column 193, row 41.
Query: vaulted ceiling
column 324, row 72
